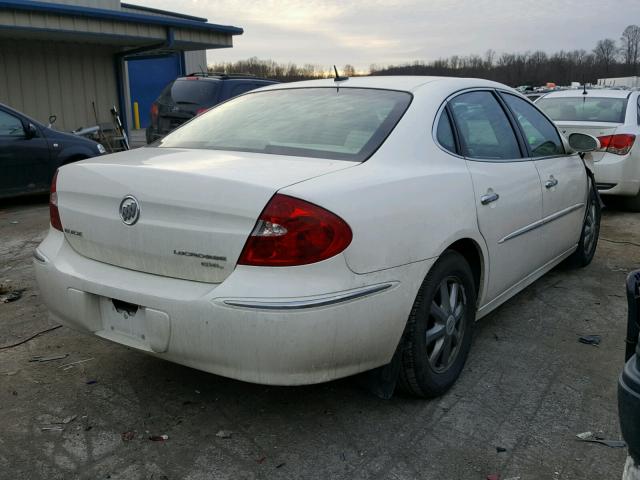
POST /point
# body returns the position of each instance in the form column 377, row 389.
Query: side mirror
column 30, row 131
column 52, row 119
column 581, row 142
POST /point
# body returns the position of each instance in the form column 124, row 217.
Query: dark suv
column 186, row 97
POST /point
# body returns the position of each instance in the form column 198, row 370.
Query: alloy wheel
column 446, row 325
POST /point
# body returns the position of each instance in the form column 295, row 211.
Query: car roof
column 595, row 92
column 409, row 83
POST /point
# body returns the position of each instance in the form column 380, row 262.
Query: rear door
column 563, row 177
column 506, row 186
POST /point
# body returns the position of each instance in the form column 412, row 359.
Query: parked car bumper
column 618, row 175
column 230, row 329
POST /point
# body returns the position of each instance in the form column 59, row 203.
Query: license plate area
column 125, row 308
column 134, row 325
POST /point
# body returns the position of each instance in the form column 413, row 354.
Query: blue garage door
column 147, row 78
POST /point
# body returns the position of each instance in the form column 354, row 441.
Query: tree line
column 609, row 58
column 283, row 72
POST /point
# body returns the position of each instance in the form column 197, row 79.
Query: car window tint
column 483, row 127
column 336, row 123
column 444, row 133
column 10, row 126
column 539, row 132
column 584, row 109
column 194, row 91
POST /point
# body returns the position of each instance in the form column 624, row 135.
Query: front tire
column 437, row 337
column 590, row 232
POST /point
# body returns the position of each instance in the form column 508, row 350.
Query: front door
column 506, row 186
column 24, row 161
column 563, row 178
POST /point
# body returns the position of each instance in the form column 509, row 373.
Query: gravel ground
column 529, row 387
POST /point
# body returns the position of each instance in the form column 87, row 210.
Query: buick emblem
column 129, row 210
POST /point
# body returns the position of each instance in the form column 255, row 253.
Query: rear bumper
column 288, row 326
column 629, row 406
column 620, row 174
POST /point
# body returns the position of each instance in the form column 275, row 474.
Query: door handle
column 489, row 197
column 552, row 182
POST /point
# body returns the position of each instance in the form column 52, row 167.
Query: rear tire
column 590, row 232
column 437, row 337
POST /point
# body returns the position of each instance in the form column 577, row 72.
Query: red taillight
column 154, row 113
column 618, row 144
column 292, row 232
column 54, row 214
column 201, row 110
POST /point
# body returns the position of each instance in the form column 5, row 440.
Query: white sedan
column 614, row 117
column 305, row 232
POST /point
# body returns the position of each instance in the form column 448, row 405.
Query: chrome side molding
column 540, row 223
column 312, row 302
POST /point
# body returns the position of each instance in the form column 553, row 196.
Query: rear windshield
column 194, row 91
column 591, row 109
column 344, row 124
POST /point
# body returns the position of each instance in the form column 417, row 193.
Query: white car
column 614, row 117
column 306, row 232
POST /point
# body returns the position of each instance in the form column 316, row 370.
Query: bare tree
column 489, row 57
column 348, row 70
column 605, row 53
column 630, row 48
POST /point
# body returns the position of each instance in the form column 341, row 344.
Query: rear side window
column 483, row 127
column 584, row 109
column 539, row 133
column 342, row 124
column 444, row 133
column 194, row 91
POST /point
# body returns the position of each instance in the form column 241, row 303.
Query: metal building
column 63, row 57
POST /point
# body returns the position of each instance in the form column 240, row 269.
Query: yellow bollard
column 136, row 115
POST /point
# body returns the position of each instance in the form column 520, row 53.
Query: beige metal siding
column 58, row 78
column 203, row 37
column 110, row 4
column 54, row 21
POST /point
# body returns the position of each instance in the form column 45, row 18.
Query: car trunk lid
column 197, row 207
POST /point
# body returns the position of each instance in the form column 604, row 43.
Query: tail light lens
column 201, row 111
column 154, row 113
column 54, row 214
column 292, row 232
column 617, row 144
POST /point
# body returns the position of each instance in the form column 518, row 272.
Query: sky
column 384, row 32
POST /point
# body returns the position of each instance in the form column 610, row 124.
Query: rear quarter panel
column 407, row 203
